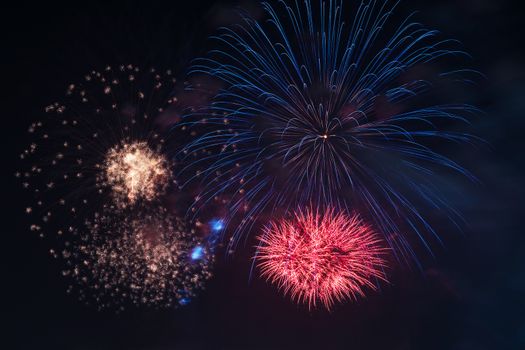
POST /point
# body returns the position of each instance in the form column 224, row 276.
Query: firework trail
column 322, row 107
column 321, row 258
column 98, row 175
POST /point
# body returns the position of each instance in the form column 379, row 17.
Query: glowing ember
column 321, row 257
column 134, row 171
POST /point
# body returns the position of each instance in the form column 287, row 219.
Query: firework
column 98, row 173
column 147, row 259
column 98, row 148
column 134, row 171
column 341, row 114
column 321, row 257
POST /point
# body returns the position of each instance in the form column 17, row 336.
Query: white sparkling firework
column 98, row 173
column 98, row 148
column 133, row 171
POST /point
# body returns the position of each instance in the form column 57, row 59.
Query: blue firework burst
column 316, row 109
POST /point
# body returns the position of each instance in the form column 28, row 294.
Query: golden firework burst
column 134, row 171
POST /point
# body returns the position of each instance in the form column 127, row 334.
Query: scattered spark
column 140, row 259
column 197, row 253
column 217, row 225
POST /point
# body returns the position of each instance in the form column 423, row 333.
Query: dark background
column 470, row 297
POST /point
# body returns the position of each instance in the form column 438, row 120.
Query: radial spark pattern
column 134, row 171
column 321, row 258
column 333, row 105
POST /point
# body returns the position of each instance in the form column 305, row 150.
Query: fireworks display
column 321, row 257
column 98, row 175
column 320, row 131
column 264, row 174
column 331, row 106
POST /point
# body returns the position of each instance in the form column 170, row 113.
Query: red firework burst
column 321, row 257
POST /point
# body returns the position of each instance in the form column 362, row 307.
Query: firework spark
column 134, row 171
column 317, row 109
column 98, row 173
column 321, row 258
column 144, row 259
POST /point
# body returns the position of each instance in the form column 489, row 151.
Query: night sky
column 470, row 296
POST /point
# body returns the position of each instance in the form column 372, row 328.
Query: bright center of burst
column 134, row 170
